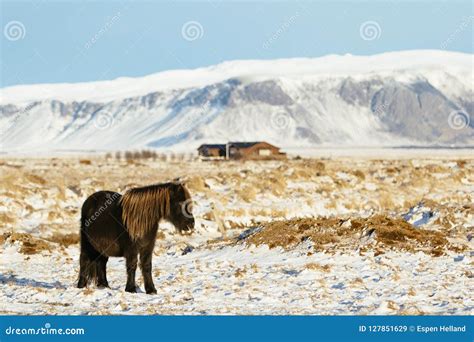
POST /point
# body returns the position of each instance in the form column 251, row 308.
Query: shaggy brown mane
column 143, row 207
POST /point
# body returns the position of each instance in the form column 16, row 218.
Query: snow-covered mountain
column 399, row 98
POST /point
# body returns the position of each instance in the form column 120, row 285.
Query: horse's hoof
column 103, row 286
column 152, row 291
column 131, row 289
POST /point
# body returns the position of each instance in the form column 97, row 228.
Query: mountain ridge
column 388, row 102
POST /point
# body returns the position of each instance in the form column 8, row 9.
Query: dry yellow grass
column 247, row 193
column 196, row 184
column 343, row 233
column 52, row 190
column 240, row 272
column 317, row 267
column 64, row 239
column 6, row 219
column 28, row 243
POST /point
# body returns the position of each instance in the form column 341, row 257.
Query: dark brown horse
column 113, row 225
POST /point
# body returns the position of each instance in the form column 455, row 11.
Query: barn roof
column 236, row 144
column 243, row 144
column 219, row 146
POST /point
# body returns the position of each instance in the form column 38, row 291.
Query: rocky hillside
column 393, row 99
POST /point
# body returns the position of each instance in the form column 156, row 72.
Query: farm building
column 212, row 150
column 241, row 150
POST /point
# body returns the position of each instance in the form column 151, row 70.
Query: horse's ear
column 180, row 181
column 176, row 181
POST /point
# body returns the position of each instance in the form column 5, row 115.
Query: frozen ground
column 374, row 237
column 238, row 280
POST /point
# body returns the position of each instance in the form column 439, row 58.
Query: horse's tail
column 89, row 266
column 88, row 262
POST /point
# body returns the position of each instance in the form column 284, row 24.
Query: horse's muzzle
column 187, row 230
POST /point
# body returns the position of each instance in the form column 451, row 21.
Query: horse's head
column 181, row 208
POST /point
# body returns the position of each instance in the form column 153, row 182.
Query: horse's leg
column 131, row 257
column 87, row 264
column 102, row 271
column 84, row 264
column 146, row 254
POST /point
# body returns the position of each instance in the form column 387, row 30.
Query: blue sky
column 74, row 41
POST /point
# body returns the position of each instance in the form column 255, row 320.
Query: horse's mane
column 143, row 207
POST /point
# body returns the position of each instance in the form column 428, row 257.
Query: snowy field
column 333, row 235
